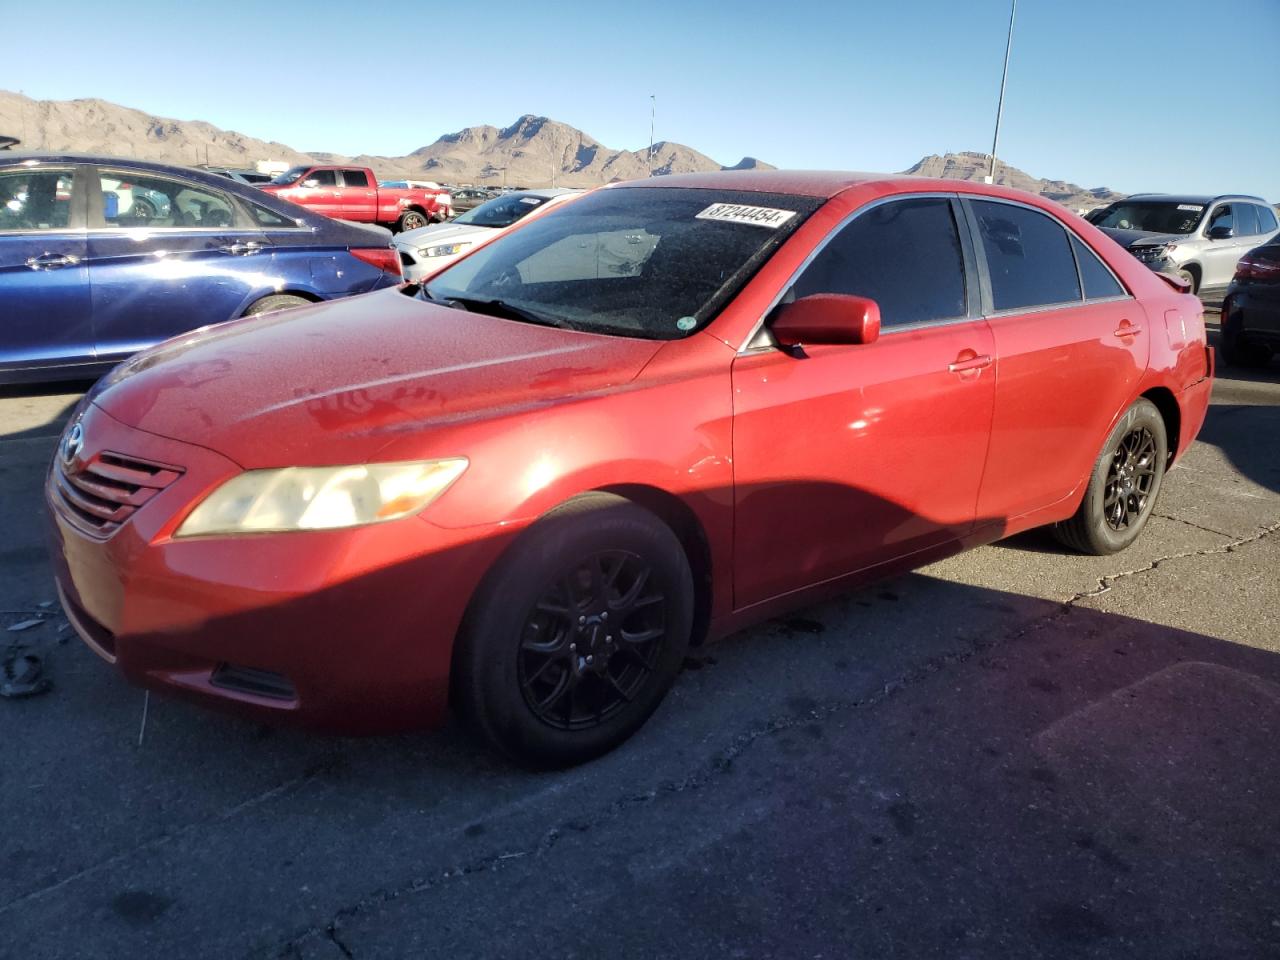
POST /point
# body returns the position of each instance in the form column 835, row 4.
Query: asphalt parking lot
column 1017, row 752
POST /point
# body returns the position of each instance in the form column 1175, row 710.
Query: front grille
column 261, row 683
column 1148, row 254
column 100, row 494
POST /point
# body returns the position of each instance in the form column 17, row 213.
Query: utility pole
column 1013, row 12
column 653, row 111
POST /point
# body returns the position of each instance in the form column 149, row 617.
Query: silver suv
column 1198, row 238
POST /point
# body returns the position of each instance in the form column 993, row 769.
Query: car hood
column 1140, row 238
column 339, row 382
column 443, row 233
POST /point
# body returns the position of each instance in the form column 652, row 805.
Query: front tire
column 1123, row 485
column 576, row 634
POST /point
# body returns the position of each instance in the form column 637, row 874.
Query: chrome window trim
column 747, row 344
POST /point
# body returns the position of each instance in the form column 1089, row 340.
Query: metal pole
column 653, row 110
column 1013, row 12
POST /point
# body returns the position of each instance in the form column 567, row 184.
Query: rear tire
column 540, row 670
column 1123, row 485
column 411, row 220
column 274, row 303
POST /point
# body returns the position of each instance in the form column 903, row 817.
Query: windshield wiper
column 500, row 308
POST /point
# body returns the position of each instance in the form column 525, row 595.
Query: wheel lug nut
column 573, row 646
column 582, row 620
column 590, row 659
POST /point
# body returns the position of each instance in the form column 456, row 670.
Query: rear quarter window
column 1099, row 282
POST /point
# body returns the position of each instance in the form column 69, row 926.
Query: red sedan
column 669, row 409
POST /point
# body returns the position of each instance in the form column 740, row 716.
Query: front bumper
column 344, row 630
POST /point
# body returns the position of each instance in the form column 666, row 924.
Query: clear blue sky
column 1175, row 95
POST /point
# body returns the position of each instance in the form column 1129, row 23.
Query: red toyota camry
column 675, row 406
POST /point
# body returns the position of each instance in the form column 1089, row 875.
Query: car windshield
column 291, row 175
column 1152, row 216
column 650, row 262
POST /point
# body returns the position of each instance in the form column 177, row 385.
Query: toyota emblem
column 69, row 449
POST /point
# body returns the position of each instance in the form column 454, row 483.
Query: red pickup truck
column 352, row 193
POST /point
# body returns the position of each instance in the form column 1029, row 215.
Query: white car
column 427, row 249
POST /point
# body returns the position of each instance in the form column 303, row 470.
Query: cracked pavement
column 1015, row 752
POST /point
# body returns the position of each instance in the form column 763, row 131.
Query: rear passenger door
column 186, row 257
column 359, row 199
column 1070, row 345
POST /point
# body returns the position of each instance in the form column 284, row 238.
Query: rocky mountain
column 533, row 151
column 975, row 166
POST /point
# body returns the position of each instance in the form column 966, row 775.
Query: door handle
column 52, row 261
column 1126, row 329
column 972, row 363
column 242, row 249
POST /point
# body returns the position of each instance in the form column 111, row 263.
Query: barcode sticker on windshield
column 740, row 213
column 530, row 199
column 1196, row 207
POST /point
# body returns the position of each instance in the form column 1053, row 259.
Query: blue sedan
column 102, row 257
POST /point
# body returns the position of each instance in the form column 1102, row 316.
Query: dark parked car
column 101, row 257
column 1251, row 309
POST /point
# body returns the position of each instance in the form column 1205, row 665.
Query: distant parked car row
column 101, row 257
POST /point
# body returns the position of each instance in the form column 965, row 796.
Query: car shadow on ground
column 50, row 426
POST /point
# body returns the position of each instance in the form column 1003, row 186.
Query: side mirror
column 827, row 318
column 1221, row 232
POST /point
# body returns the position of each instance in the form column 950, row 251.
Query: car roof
column 1203, row 199
column 18, row 157
column 825, row 184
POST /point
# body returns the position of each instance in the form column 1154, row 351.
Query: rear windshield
column 656, row 263
column 1152, row 216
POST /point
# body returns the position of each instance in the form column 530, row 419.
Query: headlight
column 444, row 250
column 321, row 498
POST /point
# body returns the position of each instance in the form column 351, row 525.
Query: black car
column 468, row 198
column 1251, row 309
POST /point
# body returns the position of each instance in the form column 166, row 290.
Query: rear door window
column 905, row 255
column 1246, row 220
column 1029, row 257
column 355, row 178
column 1099, row 281
column 131, row 199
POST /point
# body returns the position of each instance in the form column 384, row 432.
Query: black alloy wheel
column 1130, row 479
column 592, row 640
column 576, row 634
column 1121, row 489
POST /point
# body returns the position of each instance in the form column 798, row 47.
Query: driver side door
column 849, row 456
column 196, row 261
